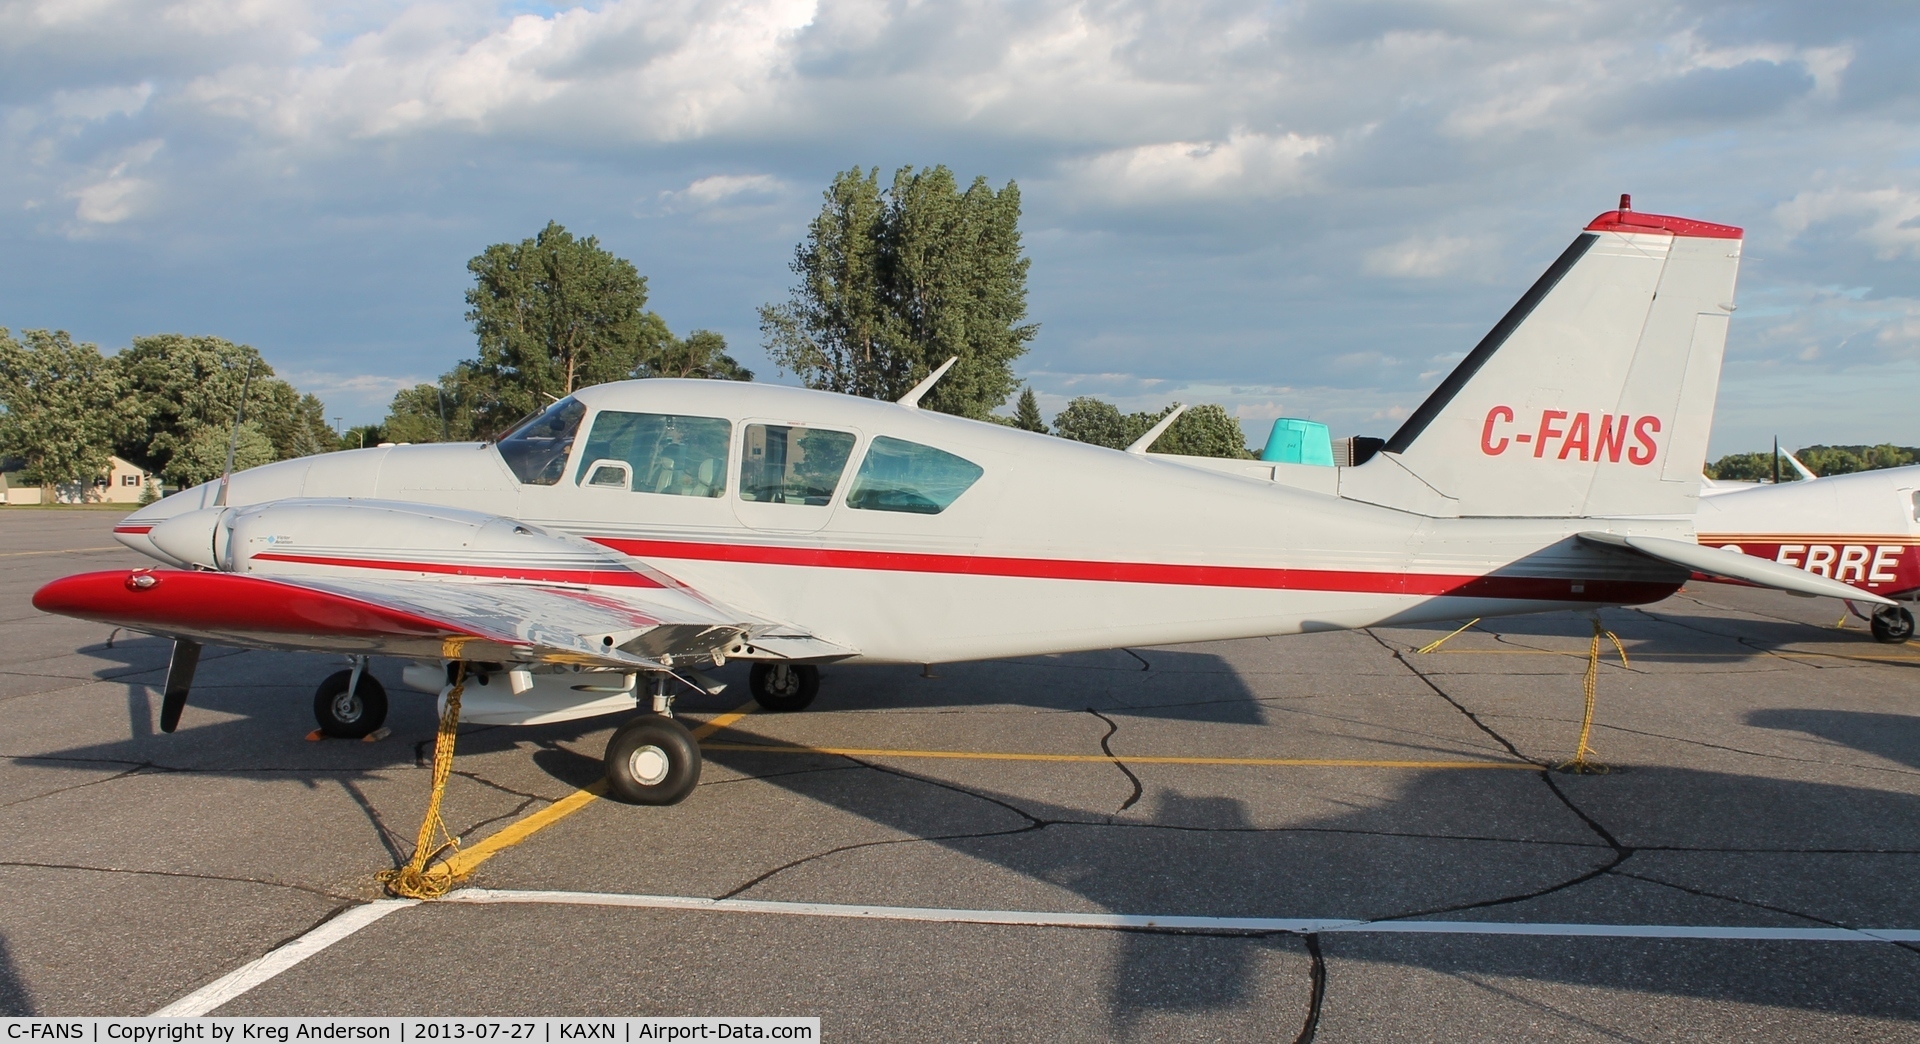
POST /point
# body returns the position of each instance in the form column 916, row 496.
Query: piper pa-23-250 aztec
column 606, row 551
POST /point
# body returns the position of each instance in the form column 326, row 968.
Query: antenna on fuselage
column 233, row 441
column 1140, row 444
column 911, row 400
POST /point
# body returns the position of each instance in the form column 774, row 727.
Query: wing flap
column 1732, row 565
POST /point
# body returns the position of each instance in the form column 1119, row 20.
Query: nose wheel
column 652, row 760
column 781, row 687
column 350, row 715
column 1892, row 624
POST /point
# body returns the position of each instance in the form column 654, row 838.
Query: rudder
column 1594, row 395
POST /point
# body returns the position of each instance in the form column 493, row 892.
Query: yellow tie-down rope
column 416, row 880
column 1583, row 762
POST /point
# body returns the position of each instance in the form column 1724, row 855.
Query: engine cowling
column 383, row 539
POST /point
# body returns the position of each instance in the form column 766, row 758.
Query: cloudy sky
column 1306, row 208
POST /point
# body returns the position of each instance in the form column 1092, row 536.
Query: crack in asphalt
column 387, row 840
column 1621, row 852
column 182, row 875
column 1913, row 948
column 1316, row 989
column 1529, row 1002
column 137, row 767
column 1033, row 823
column 1106, row 747
column 1758, row 753
column 1144, row 665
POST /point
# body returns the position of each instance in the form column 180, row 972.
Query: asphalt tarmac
column 1766, row 776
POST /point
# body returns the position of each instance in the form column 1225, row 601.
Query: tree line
column 166, row 404
column 893, row 282
column 1820, row 459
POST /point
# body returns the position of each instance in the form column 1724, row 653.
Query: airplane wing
column 1732, row 565
column 498, row 621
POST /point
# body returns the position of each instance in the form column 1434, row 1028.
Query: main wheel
column 1892, row 624
column 652, row 760
column 782, row 687
column 350, row 715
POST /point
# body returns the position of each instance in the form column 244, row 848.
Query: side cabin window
column 791, row 464
column 1916, row 505
column 905, row 476
column 536, row 451
column 656, row 453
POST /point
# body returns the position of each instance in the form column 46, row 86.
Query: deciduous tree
column 552, row 313
column 893, row 284
column 60, row 404
column 182, row 394
column 1205, row 430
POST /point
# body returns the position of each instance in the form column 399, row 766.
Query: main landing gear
column 350, row 704
column 1892, row 624
column 782, row 687
column 653, row 760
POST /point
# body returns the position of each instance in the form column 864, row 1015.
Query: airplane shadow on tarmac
column 1895, row 737
column 15, row 998
column 1495, row 845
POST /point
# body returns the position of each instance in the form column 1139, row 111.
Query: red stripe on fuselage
column 592, row 577
column 1546, row 589
column 136, row 530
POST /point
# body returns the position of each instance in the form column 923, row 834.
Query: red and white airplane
column 1861, row 529
column 638, row 532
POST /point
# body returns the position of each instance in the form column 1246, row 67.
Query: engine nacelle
column 380, row 540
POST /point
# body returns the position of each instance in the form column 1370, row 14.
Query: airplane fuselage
column 1054, row 546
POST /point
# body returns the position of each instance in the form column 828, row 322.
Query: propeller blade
column 186, row 658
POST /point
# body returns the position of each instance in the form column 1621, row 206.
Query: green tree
column 1205, row 430
column 1845, row 460
column 893, row 284
column 362, row 436
column 182, row 394
column 1096, row 421
column 702, row 354
column 60, row 408
column 1026, row 414
column 552, row 314
column 1749, row 467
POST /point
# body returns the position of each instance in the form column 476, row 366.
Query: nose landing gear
column 350, row 704
column 782, row 687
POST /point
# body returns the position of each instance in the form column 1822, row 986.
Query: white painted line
column 254, row 972
column 1298, row 925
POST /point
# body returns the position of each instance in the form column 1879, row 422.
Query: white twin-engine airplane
column 1861, row 529
column 637, row 532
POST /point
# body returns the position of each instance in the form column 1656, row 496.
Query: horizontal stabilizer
column 1732, row 565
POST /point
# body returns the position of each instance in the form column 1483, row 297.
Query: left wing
column 629, row 628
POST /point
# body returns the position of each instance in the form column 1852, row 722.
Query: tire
column 784, row 687
column 1892, row 624
column 652, row 760
column 350, row 717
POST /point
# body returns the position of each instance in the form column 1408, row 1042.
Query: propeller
column 186, row 658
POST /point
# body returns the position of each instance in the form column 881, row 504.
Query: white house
column 121, row 483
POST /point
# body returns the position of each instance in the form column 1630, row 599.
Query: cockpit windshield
column 536, row 451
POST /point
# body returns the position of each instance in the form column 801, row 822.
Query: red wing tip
column 1662, row 224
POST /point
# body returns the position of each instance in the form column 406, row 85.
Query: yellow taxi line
column 467, row 859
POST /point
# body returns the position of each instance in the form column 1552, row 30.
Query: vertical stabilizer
column 1594, row 395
